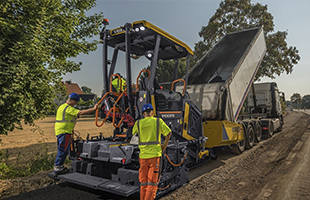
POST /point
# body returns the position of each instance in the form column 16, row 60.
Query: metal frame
column 128, row 69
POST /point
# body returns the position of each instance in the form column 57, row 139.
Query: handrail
column 119, row 95
column 120, row 82
column 172, row 85
column 97, row 110
column 143, row 70
column 120, row 122
column 113, row 108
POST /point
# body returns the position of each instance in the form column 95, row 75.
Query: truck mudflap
column 97, row 183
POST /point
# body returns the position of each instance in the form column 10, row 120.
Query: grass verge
column 41, row 161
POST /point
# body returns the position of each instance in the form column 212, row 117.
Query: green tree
column 86, row 90
column 296, row 100
column 234, row 15
column 36, row 40
column 165, row 71
column 306, row 101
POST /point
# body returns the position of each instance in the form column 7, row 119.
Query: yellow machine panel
column 221, row 133
column 185, row 124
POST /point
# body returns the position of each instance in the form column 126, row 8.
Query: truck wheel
column 240, row 146
column 258, row 132
column 270, row 130
column 281, row 125
column 250, row 137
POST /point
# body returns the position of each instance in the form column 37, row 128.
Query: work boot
column 58, row 170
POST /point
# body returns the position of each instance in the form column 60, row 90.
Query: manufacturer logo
column 168, row 115
column 118, row 30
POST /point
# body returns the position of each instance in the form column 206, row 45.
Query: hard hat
column 74, row 96
column 146, row 107
column 119, row 74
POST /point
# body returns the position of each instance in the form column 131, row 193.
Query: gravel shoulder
column 259, row 173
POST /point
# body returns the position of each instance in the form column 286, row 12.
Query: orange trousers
column 148, row 177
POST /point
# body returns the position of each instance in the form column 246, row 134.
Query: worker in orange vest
column 149, row 131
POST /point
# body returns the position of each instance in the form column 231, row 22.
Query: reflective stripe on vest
column 64, row 115
column 157, row 135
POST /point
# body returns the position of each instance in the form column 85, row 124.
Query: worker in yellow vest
column 117, row 85
column 65, row 121
column 149, row 132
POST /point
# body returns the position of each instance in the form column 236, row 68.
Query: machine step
column 97, row 183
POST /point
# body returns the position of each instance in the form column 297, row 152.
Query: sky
column 184, row 19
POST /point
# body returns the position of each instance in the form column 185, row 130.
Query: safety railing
column 184, row 85
column 119, row 95
column 112, row 109
column 137, row 82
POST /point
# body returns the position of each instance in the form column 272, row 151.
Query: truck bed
column 219, row 83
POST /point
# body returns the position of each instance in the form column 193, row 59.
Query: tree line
column 298, row 102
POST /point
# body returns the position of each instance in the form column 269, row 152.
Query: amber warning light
column 105, row 21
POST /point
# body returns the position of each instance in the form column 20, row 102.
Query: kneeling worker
column 65, row 121
column 149, row 130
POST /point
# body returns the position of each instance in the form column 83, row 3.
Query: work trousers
column 148, row 177
column 63, row 144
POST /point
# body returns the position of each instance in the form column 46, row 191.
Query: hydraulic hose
column 176, row 165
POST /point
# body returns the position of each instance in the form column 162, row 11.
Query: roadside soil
column 268, row 171
column 262, row 172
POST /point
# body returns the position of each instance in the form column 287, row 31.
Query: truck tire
column 240, row 146
column 270, row 130
column 258, row 132
column 250, row 137
column 282, row 122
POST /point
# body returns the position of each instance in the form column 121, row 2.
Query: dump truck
column 265, row 102
column 220, row 84
column 202, row 108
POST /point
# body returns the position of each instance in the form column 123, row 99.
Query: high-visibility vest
column 150, row 143
column 116, row 84
column 65, row 119
column 147, row 142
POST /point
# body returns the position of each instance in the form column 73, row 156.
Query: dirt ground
column 276, row 168
column 23, row 145
column 44, row 132
column 33, row 139
column 259, row 173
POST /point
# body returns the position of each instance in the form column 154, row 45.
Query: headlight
column 149, row 55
